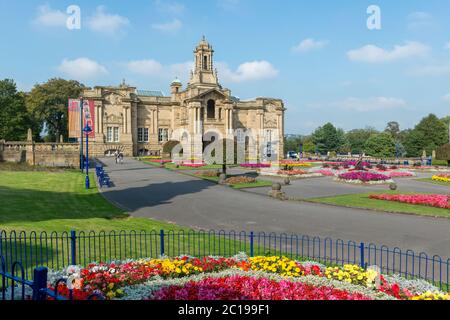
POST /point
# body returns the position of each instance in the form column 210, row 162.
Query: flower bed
column 239, row 277
column 255, row 165
column 325, row 172
column 240, row 180
column 442, row 178
column 431, row 200
column 298, row 174
column 248, row 288
column 192, row 165
column 158, row 161
column 363, row 177
column 399, row 174
column 294, row 164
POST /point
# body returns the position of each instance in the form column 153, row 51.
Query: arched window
column 205, row 63
column 211, row 109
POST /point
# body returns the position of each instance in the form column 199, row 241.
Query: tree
column 14, row 118
column 308, row 145
column 393, row 128
column 328, row 138
column 429, row 134
column 292, row 143
column 380, row 145
column 357, row 138
column 48, row 102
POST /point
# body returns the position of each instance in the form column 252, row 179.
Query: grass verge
column 362, row 201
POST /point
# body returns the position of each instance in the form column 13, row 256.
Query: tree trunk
column 224, row 169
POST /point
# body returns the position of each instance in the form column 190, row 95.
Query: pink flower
column 432, row 200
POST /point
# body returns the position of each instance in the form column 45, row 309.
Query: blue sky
column 318, row 56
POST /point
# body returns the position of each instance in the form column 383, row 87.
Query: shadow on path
column 155, row 194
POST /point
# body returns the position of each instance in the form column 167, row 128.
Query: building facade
column 138, row 122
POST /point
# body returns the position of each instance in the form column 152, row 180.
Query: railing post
column 252, row 239
column 161, row 238
column 40, row 283
column 73, row 247
column 362, row 257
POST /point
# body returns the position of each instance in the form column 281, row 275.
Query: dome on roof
column 176, row 82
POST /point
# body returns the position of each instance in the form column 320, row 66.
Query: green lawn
column 429, row 180
column 363, row 201
column 58, row 201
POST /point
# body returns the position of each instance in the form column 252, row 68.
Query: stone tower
column 204, row 74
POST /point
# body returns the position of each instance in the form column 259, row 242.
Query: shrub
column 240, row 180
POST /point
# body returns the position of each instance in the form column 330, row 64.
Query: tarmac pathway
column 147, row 191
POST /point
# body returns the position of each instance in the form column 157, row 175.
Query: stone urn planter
column 276, row 192
column 222, row 178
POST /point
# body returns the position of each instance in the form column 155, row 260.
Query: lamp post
column 87, row 130
column 81, row 135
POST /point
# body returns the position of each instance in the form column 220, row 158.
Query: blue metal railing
column 57, row 250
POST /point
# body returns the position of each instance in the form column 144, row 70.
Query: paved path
column 326, row 187
column 147, row 191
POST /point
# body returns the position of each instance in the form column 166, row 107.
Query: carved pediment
column 270, row 120
column 271, row 108
column 113, row 98
column 209, row 94
column 113, row 118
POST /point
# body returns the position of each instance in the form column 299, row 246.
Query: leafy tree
column 14, row 117
column 292, row 143
column 357, row 138
column 328, row 138
column 393, row 128
column 48, row 102
column 380, row 145
column 428, row 135
column 308, row 145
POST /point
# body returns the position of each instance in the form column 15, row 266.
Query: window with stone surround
column 163, row 135
column 143, row 135
column 112, row 134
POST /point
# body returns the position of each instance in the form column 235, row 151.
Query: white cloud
column 256, row 70
column 181, row 70
column 145, row 67
column 370, row 104
column 433, row 70
column 447, row 46
column 248, row 71
column 308, row 45
column 106, row 23
column 446, row 97
column 82, row 68
column 47, row 17
column 173, row 8
column 153, row 68
column 171, row 26
column 420, row 20
column 373, row 54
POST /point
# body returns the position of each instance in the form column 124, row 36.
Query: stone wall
column 42, row 154
column 56, row 154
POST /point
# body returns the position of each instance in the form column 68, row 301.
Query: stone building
column 140, row 122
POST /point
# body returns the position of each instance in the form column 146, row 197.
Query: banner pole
column 81, row 136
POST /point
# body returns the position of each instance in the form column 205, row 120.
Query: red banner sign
column 74, row 117
column 89, row 116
